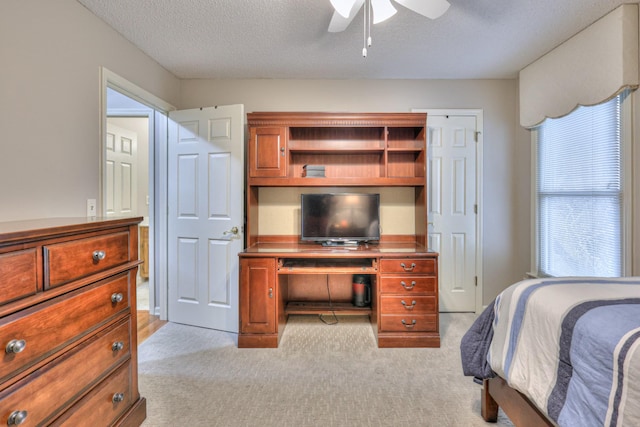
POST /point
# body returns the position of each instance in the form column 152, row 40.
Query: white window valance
column 589, row 68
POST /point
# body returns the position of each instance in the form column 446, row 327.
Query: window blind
column 579, row 191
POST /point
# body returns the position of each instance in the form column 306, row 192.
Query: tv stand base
column 350, row 243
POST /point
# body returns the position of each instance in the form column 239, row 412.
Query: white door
column 452, row 207
column 120, row 171
column 205, row 198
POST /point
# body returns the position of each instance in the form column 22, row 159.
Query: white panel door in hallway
column 206, row 210
column 120, row 171
column 452, row 207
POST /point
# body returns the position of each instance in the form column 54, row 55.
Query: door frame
column 478, row 113
column 158, row 140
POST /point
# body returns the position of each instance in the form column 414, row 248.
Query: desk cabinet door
column 258, row 295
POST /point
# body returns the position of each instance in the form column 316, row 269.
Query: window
column 579, row 191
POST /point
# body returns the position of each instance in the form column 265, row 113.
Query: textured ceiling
column 474, row 39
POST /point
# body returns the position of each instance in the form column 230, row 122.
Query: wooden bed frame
column 496, row 393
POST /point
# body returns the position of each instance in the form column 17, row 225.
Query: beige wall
column 49, row 116
column 506, row 162
column 49, row 103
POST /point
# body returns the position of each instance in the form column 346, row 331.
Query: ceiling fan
column 346, row 10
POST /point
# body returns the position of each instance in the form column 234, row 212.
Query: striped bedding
column 572, row 345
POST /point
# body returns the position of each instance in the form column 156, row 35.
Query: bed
column 559, row 351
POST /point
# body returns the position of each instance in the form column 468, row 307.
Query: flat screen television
column 340, row 218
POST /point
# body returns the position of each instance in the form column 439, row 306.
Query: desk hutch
column 280, row 275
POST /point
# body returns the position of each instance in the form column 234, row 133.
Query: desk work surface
column 315, row 250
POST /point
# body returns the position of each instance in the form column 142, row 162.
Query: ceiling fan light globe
column 382, row 10
column 432, row 9
column 343, row 7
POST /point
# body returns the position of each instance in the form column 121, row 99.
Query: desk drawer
column 101, row 406
column 48, row 327
column 408, row 265
column 48, row 391
column 69, row 261
column 18, row 275
column 409, row 322
column 408, row 284
column 392, row 304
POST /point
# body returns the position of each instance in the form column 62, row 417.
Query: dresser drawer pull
column 413, row 265
column 413, row 323
column 117, row 297
column 118, row 397
column 15, row 346
column 408, row 307
column 16, row 418
column 404, row 285
column 99, row 255
column 117, row 346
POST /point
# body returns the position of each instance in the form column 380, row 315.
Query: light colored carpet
column 321, row 375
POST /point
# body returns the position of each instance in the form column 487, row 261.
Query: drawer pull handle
column 413, row 265
column 408, row 307
column 117, row 346
column 270, row 292
column 15, row 346
column 118, row 397
column 16, row 418
column 117, row 297
column 404, row 285
column 99, row 255
column 413, row 323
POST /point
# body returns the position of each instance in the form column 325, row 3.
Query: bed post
column 497, row 393
column 489, row 406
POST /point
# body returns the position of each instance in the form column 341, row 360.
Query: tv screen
column 340, row 217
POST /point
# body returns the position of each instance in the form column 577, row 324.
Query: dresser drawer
column 46, row 328
column 393, row 304
column 69, row 261
column 18, row 275
column 102, row 406
column 408, row 265
column 408, row 284
column 50, row 390
column 409, row 322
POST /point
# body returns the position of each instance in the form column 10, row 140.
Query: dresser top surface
column 38, row 228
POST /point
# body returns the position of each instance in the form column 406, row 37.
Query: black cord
column 335, row 318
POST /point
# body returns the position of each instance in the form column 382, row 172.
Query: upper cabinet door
column 268, row 152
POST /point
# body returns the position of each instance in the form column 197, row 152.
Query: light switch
column 91, row 208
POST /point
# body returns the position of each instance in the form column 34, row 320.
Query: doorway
column 126, row 175
column 143, row 118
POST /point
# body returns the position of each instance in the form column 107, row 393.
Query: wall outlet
column 91, row 208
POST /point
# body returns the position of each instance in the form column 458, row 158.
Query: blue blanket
column 572, row 345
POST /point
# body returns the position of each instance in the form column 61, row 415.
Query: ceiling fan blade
column 343, row 7
column 340, row 23
column 432, row 9
column 382, row 10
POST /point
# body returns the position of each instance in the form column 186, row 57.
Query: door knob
column 234, row 231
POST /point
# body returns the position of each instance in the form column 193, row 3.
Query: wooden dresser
column 68, row 323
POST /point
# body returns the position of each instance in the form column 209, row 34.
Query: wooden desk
column 281, row 279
